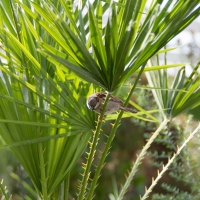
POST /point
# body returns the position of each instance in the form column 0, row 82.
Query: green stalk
column 91, row 154
column 139, row 159
column 110, row 139
column 66, row 188
column 43, row 176
column 55, row 195
column 104, row 155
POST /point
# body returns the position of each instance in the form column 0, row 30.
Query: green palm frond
column 54, row 50
column 22, row 102
column 39, row 104
column 114, row 52
column 178, row 97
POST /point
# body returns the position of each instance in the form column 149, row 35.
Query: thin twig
column 139, row 159
column 165, row 168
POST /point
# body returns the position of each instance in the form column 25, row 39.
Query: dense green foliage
column 56, row 53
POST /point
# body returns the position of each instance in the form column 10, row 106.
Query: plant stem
column 66, row 188
column 104, row 155
column 110, row 139
column 43, row 176
column 91, row 154
column 139, row 159
column 165, row 168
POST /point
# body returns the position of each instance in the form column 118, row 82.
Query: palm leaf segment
column 108, row 55
column 39, row 103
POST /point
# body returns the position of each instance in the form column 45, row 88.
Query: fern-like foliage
column 182, row 181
